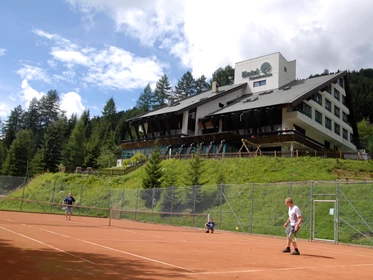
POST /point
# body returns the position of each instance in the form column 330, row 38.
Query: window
column 343, row 99
column 318, row 117
column 351, row 138
column 328, row 123
column 260, row 83
column 344, row 117
column 306, row 109
column 285, row 69
column 337, row 129
column 340, row 82
column 336, row 94
column 327, row 144
column 345, row 134
column 318, row 98
column 328, row 105
column 337, row 112
column 328, row 89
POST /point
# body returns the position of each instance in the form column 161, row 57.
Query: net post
column 208, row 217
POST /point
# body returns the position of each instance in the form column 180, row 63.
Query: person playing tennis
column 210, row 226
column 68, row 203
column 292, row 225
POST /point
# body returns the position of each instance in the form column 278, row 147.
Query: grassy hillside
column 251, row 198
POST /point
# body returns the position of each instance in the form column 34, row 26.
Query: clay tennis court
column 41, row 246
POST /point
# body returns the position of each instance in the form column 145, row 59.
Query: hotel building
column 266, row 104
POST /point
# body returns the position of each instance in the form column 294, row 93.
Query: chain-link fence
column 331, row 210
column 8, row 184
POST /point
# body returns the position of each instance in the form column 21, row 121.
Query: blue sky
column 91, row 50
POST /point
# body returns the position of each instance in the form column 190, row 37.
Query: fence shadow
column 19, row 263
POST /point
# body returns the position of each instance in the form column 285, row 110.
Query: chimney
column 214, row 87
column 170, row 101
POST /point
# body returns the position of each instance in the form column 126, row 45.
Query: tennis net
column 167, row 218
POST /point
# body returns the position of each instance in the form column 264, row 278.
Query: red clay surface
column 39, row 246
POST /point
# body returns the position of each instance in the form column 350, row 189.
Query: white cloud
column 71, row 102
column 205, row 35
column 29, row 72
column 69, row 56
column 2, row 51
column 4, row 110
column 110, row 67
column 28, row 93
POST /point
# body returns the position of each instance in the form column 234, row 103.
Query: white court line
column 267, row 270
column 50, row 246
column 224, row 272
column 127, row 253
column 55, row 233
column 134, row 255
column 135, row 240
column 296, row 268
column 137, row 232
column 10, row 220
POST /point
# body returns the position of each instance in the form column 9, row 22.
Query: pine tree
column 186, row 86
column 13, row 125
column 19, row 155
column 202, row 85
column 3, row 153
column 146, row 99
column 109, row 114
column 224, row 76
column 49, row 108
column 73, row 153
column 153, row 177
column 194, row 182
column 162, row 91
column 93, row 147
column 52, row 145
column 71, row 124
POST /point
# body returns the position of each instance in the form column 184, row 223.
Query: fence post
column 221, row 204
column 23, row 194
column 172, row 203
column 54, row 187
column 311, row 206
column 252, row 208
column 81, row 198
column 153, row 197
column 137, row 200
column 336, row 217
column 122, row 204
column 109, row 202
column 194, row 203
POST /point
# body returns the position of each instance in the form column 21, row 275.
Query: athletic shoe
column 206, row 231
column 295, row 253
column 286, row 250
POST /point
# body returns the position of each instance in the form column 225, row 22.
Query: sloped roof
column 292, row 93
column 189, row 102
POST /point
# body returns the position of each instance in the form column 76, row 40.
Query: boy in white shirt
column 292, row 225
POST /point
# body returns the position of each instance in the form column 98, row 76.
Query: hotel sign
column 265, row 71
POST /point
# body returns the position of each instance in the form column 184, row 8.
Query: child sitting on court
column 210, row 226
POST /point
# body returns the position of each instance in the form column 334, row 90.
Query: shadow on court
column 29, row 263
column 317, row 256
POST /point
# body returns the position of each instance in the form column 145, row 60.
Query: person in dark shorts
column 210, row 226
column 68, row 203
